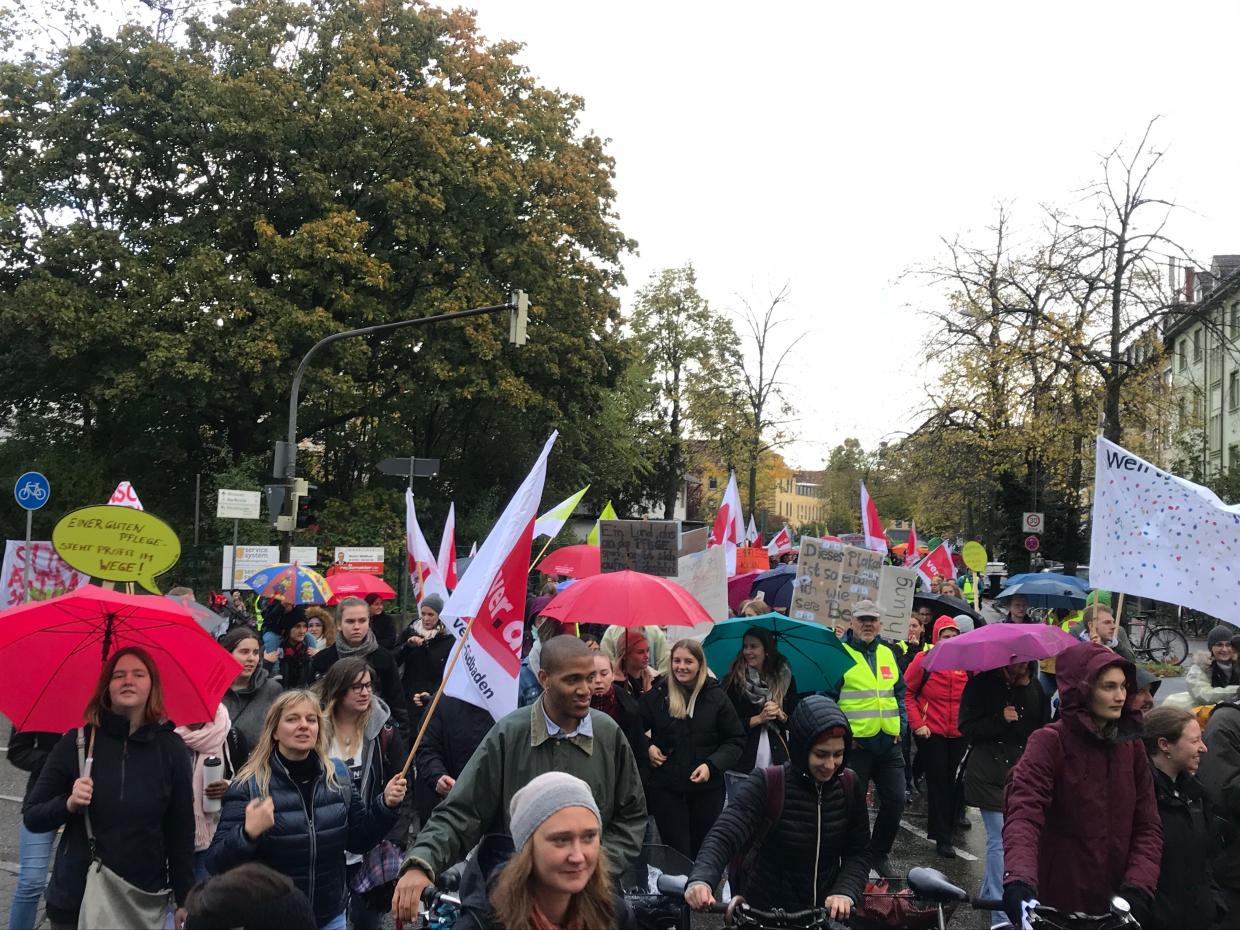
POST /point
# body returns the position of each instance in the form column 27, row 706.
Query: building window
column 1196, row 405
column 1183, row 353
column 1233, row 456
column 1234, row 329
column 1183, row 411
column 1233, row 390
column 1196, row 345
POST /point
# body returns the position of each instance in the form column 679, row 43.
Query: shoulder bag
column 109, row 900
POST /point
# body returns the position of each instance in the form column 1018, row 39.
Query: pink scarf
column 203, row 742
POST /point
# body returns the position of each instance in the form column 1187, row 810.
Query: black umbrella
column 776, row 586
column 951, row 606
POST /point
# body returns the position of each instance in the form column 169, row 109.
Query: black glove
column 1014, row 896
column 1141, row 903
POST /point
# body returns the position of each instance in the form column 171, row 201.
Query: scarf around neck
column 361, row 650
column 203, row 742
column 758, row 691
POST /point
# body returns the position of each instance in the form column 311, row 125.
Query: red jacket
column 1080, row 819
column 933, row 698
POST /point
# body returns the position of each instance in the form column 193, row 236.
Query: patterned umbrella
column 292, row 582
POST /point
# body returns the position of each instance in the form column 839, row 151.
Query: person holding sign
column 871, row 695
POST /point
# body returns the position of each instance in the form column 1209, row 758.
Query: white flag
column 751, row 531
column 1158, row 536
column 493, row 592
column 125, row 496
column 424, row 573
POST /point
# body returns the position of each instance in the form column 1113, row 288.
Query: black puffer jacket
column 28, row 751
column 819, row 824
column 1186, row 895
column 422, row 666
column 309, row 850
column 142, row 812
column 996, row 743
column 713, row 735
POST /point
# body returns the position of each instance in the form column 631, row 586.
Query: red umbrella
column 572, row 562
column 626, row 599
column 52, row 652
column 357, row 584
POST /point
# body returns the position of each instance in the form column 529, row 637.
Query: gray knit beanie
column 434, row 602
column 546, row 795
column 1220, row 634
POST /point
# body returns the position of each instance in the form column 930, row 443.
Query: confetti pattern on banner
column 1156, row 535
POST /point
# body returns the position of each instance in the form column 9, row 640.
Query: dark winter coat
column 1186, row 896
column 746, row 710
column 819, row 824
column 456, row 729
column 383, row 668
column 142, row 812
column 1080, row 819
column 627, row 712
column 28, row 751
column 995, row 743
column 1220, row 777
column 308, row 847
column 247, row 707
column 384, row 749
column 422, row 666
column 932, row 699
column 385, row 627
column 713, row 735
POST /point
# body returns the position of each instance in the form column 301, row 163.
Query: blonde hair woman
column 695, row 736
column 294, row 809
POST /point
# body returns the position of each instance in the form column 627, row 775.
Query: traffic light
column 307, row 510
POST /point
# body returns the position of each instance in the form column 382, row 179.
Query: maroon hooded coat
column 1080, row 818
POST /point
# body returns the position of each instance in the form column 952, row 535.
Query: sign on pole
column 648, row 546
column 32, row 490
column 831, row 579
column 1032, row 543
column 1031, row 522
column 117, row 544
column 304, row 555
column 250, row 560
column 367, row 559
column 238, row 505
column 896, row 588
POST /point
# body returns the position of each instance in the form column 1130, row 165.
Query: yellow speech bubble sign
column 117, row 544
column 974, row 555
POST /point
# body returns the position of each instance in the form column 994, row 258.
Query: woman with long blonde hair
column 695, row 736
column 557, row 879
column 293, row 808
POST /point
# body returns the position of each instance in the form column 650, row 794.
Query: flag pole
column 546, row 546
column 430, row 711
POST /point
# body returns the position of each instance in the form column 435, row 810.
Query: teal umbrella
column 817, row 659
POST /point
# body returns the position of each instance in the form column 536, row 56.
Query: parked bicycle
column 1162, row 644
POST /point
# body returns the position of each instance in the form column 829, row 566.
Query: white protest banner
column 704, row 575
column 493, row 593
column 250, row 561
column 50, row 575
column 1158, row 536
column 896, row 587
column 831, row 578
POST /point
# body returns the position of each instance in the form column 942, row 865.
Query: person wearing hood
column 1186, row 896
column 251, row 693
column 871, row 695
column 356, row 638
column 695, row 736
column 1080, row 820
column 817, row 854
column 137, row 800
column 1215, row 675
column 932, row 700
column 999, row 710
column 422, row 653
column 360, row 733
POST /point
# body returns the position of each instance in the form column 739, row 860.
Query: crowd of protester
column 294, row 806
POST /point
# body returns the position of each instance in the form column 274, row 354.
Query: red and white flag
column 910, row 548
column 493, row 592
column 781, row 542
column 729, row 528
column 751, row 532
column 447, row 549
column 125, row 496
column 423, row 570
column 938, row 562
column 871, row 525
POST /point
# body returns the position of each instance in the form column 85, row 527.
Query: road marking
column 966, row 856
column 9, row 797
column 14, row 867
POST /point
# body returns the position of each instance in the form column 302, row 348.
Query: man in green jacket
column 557, row 733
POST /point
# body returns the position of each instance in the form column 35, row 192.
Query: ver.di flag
column 781, row 542
column 729, row 529
column 551, row 522
column 871, row 525
column 423, row 570
column 447, row 549
column 1159, row 536
column 938, row 562
column 910, row 548
column 493, row 592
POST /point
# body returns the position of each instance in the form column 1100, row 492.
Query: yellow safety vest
column 868, row 698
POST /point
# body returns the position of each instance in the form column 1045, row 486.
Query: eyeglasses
column 359, row 688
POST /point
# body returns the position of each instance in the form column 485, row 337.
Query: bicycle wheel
column 1166, row 645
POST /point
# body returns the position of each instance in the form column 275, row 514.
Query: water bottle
column 212, row 771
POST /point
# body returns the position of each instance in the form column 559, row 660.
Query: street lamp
column 286, row 452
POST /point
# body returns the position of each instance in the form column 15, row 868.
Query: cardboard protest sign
column 117, row 544
column 50, row 576
column 704, row 575
column 896, row 588
column 831, row 578
column 647, row 546
column 752, row 559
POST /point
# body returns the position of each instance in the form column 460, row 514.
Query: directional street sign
column 400, row 468
column 32, row 490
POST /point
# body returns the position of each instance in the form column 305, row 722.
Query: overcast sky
column 830, row 146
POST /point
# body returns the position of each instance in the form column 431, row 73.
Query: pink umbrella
column 628, row 599
column 52, row 652
column 996, row 645
column 573, row 562
column 738, row 589
column 357, row 584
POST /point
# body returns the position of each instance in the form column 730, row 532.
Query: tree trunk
column 674, row 456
